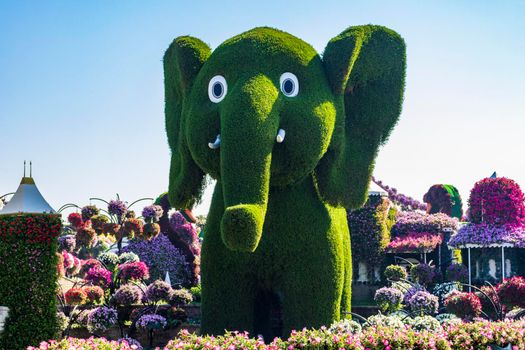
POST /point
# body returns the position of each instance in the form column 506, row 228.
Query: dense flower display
column 415, row 242
column 151, row 321
column 464, row 305
column 181, row 297
column 84, row 344
column 485, row 235
column 409, row 222
column 86, row 237
column 497, row 201
column 67, row 243
column 95, row 294
column 75, row 219
column 423, row 273
column 75, row 296
column 161, row 257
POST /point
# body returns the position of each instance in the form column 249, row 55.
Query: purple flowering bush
column 99, row 276
column 161, row 257
column 409, row 222
column 158, row 291
column 423, row 273
column 152, row 213
column 117, row 208
column 485, row 234
column 126, row 295
column 151, row 322
column 457, row 272
column 423, row 302
column 101, row 319
column 406, row 202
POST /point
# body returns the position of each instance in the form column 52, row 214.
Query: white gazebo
column 27, row 199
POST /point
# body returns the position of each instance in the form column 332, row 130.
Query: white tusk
column 280, row 136
column 216, row 144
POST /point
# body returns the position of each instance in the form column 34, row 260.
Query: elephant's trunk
column 249, row 125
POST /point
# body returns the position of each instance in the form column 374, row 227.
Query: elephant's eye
column 217, row 88
column 289, row 84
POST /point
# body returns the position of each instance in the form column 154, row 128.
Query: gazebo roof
column 27, row 199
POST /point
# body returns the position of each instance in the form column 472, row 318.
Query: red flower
column 75, row 296
column 75, row 219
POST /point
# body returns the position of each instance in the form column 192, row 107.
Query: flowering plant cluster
column 134, row 271
column 86, row 344
column 485, row 234
column 482, row 334
column 161, row 256
column 151, row 322
column 99, row 276
column 423, row 273
column 158, row 291
column 406, row 202
column 409, row 222
column 101, row 319
column 152, row 213
column 512, row 292
column 388, row 299
column 415, row 242
column 464, row 305
column 497, row 201
column 117, row 208
column 423, row 302
column 127, row 295
column 370, row 230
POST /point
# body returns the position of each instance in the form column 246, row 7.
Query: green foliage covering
column 370, row 230
column 28, row 276
column 277, row 222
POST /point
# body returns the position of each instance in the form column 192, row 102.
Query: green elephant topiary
column 291, row 139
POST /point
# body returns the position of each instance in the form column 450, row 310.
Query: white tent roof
column 27, row 199
column 374, row 189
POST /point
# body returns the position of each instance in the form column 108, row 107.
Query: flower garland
column 406, row 202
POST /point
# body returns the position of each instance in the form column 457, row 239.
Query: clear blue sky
column 81, row 87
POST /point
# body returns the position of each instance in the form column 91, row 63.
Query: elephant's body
column 303, row 257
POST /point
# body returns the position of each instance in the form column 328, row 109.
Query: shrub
column 75, row 219
column 426, row 323
column 89, row 211
column 479, row 334
column 196, row 292
column 128, row 258
column 28, row 277
column 345, row 326
column 395, row 273
column 109, row 259
column 388, row 299
column 511, row 292
column 464, row 305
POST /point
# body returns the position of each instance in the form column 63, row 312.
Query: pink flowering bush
column 481, row 334
column 409, row 222
column 134, row 271
column 464, row 305
column 497, row 201
column 84, row 344
column 98, row 276
column 512, row 292
column 415, row 242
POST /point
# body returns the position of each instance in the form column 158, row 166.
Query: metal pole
column 502, row 263
column 425, row 257
column 469, row 272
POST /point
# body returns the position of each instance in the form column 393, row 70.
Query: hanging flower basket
column 4, row 312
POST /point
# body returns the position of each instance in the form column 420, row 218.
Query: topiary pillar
column 28, row 278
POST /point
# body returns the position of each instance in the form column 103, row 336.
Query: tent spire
column 30, row 169
column 24, row 168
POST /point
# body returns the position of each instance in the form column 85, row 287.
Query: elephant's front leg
column 227, row 294
column 312, row 293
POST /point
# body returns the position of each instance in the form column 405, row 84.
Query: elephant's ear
column 365, row 66
column 182, row 62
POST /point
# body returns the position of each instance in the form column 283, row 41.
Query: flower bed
column 415, row 242
column 487, row 235
column 420, row 335
column 409, row 222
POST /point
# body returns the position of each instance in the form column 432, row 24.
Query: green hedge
column 28, row 278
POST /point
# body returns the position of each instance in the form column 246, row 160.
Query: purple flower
column 89, row 211
column 409, row 222
column 67, row 243
column 424, row 302
column 411, row 291
column 127, row 294
column 151, row 321
column 152, row 212
column 388, row 299
column 117, row 208
column 176, row 220
column 161, row 256
column 101, row 319
column 485, row 234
